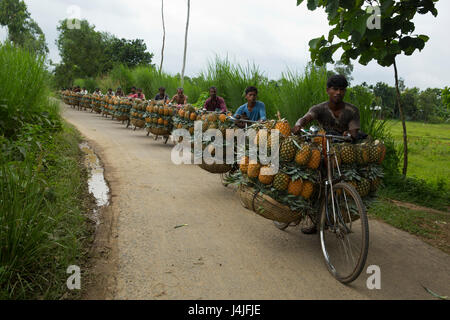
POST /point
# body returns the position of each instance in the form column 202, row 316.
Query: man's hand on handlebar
column 296, row 130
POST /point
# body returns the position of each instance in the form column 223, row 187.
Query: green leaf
column 423, row 37
column 312, row 4
column 332, row 9
column 317, row 43
column 299, row 2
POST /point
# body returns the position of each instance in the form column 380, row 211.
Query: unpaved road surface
column 226, row 251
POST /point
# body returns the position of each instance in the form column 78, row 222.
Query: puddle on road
column 97, row 183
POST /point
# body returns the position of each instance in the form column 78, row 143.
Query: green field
column 428, row 149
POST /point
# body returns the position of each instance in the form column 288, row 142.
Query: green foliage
column 201, row 100
column 22, row 29
column 349, row 21
column 87, row 53
column 24, row 92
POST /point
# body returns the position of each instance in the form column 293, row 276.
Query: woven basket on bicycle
column 266, row 206
column 216, row 168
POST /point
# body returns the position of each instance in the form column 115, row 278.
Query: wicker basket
column 267, row 207
column 216, row 168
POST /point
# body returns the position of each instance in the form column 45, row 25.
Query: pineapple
column 288, row 149
column 362, row 154
column 320, row 140
column 295, row 187
column 363, row 187
column 243, row 165
column 266, row 175
column 375, row 152
column 347, row 153
column 303, row 155
column 281, row 181
column 284, row 128
column 308, row 189
column 314, row 160
column 253, row 170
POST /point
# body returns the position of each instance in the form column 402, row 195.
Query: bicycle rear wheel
column 344, row 233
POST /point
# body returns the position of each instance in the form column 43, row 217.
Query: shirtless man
column 179, row 98
column 333, row 115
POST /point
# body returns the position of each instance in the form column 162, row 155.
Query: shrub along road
column 225, row 251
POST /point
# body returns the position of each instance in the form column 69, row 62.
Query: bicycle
column 341, row 221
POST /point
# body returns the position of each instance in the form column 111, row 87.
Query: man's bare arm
column 301, row 123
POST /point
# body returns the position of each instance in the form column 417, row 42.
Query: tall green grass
column 41, row 183
column 24, row 91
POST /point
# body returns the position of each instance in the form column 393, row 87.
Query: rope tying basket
column 216, row 168
column 266, row 207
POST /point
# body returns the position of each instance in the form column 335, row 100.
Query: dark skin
column 213, row 93
column 336, row 104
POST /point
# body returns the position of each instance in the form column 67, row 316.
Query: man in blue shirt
column 252, row 110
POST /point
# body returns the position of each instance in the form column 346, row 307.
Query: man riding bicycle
column 335, row 116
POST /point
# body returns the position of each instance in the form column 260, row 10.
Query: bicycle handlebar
column 343, row 138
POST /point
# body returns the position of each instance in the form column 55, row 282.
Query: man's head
column 162, row 91
column 251, row 93
column 109, row 90
column 336, row 88
column 213, row 92
column 97, row 89
column 133, row 89
column 180, row 91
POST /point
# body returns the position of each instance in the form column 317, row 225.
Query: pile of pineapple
column 296, row 181
column 185, row 117
column 137, row 113
column 122, row 109
column 360, row 165
column 96, row 103
column 217, row 121
column 158, row 118
column 296, row 184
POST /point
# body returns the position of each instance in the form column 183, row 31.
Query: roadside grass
column 428, row 150
column 432, row 228
column 43, row 228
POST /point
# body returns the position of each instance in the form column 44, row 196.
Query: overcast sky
column 272, row 34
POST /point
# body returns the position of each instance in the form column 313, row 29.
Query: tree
column 386, row 95
column 87, row 53
column 164, row 36
column 129, row 52
column 22, row 29
column 185, row 42
column 364, row 39
column 343, row 69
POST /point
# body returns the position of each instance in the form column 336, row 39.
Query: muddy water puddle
column 97, row 183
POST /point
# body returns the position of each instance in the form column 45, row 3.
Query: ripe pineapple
column 347, row 153
column 375, row 152
column 266, row 175
column 382, row 152
column 363, row 187
column 314, row 160
column 281, row 181
column 362, row 154
column 222, row 118
column 319, row 140
column 308, row 189
column 288, row 149
column 295, row 187
column 284, row 128
column 253, row 170
column 303, row 155
column 243, row 165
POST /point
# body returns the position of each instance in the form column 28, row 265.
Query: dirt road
column 226, row 251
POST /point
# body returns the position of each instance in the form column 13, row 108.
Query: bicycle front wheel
column 344, row 233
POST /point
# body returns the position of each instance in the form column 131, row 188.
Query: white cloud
column 273, row 35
